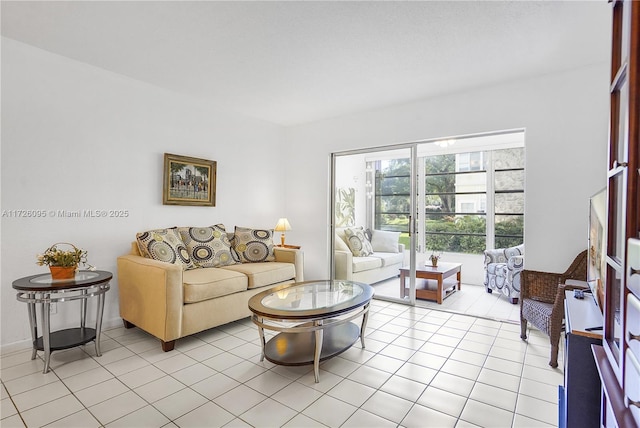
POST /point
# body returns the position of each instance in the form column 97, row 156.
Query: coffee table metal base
column 311, row 342
column 315, row 320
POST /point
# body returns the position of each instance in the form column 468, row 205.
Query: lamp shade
column 283, row 225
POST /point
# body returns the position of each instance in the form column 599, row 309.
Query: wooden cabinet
column 631, row 366
column 617, row 359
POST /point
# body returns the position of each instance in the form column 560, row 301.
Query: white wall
column 350, row 173
column 78, row 137
column 565, row 116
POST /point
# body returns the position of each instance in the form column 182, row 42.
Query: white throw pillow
column 383, row 241
column 341, row 245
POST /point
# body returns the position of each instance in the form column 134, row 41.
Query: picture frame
column 189, row 181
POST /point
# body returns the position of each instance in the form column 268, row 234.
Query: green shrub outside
column 444, row 234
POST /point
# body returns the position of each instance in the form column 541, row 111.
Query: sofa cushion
column 208, row 246
column 389, row 259
column 164, row 245
column 366, row 263
column 261, row 274
column 383, row 241
column 358, row 242
column 253, row 245
column 204, row 284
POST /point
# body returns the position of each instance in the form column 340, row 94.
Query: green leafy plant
column 436, row 244
column 53, row 256
column 345, row 207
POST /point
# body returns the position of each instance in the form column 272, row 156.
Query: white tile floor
column 421, row 368
column 470, row 299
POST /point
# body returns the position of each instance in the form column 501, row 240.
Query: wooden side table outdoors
column 439, row 273
column 42, row 289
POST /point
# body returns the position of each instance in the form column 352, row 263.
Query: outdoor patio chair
column 502, row 268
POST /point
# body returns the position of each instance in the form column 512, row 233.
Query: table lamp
column 282, row 226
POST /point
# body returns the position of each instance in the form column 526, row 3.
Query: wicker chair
column 542, row 301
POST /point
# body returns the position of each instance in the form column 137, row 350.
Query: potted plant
column 436, row 246
column 62, row 263
column 434, row 259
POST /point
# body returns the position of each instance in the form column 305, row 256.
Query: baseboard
column 22, row 345
column 26, row 344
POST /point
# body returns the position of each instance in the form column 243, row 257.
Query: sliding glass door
column 393, row 209
column 373, row 211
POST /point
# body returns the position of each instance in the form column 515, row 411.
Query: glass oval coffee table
column 313, row 318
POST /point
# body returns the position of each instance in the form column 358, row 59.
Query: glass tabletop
column 313, row 295
column 44, row 282
column 80, row 276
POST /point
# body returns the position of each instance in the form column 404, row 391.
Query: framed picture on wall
column 189, row 181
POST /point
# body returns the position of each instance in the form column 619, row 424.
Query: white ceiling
column 298, row 61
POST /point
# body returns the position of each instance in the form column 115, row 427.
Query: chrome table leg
column 46, row 344
column 318, row 351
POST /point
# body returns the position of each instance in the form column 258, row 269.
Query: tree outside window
column 455, row 199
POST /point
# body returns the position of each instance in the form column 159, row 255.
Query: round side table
column 42, row 289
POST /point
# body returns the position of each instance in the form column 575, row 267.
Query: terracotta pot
column 63, row 272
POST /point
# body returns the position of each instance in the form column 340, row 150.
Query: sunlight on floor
column 470, row 300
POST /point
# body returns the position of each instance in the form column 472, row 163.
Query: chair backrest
column 518, row 250
column 502, row 255
column 578, row 269
column 543, row 286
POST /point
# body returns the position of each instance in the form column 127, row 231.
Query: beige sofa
column 168, row 302
column 384, row 263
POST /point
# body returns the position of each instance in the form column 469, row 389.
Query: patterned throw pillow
column 164, row 245
column 358, row 242
column 208, row 246
column 253, row 245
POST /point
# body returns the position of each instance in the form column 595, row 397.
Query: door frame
column 413, row 149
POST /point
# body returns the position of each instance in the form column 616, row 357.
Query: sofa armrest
column 291, row 255
column 151, row 295
column 515, row 263
column 343, row 264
